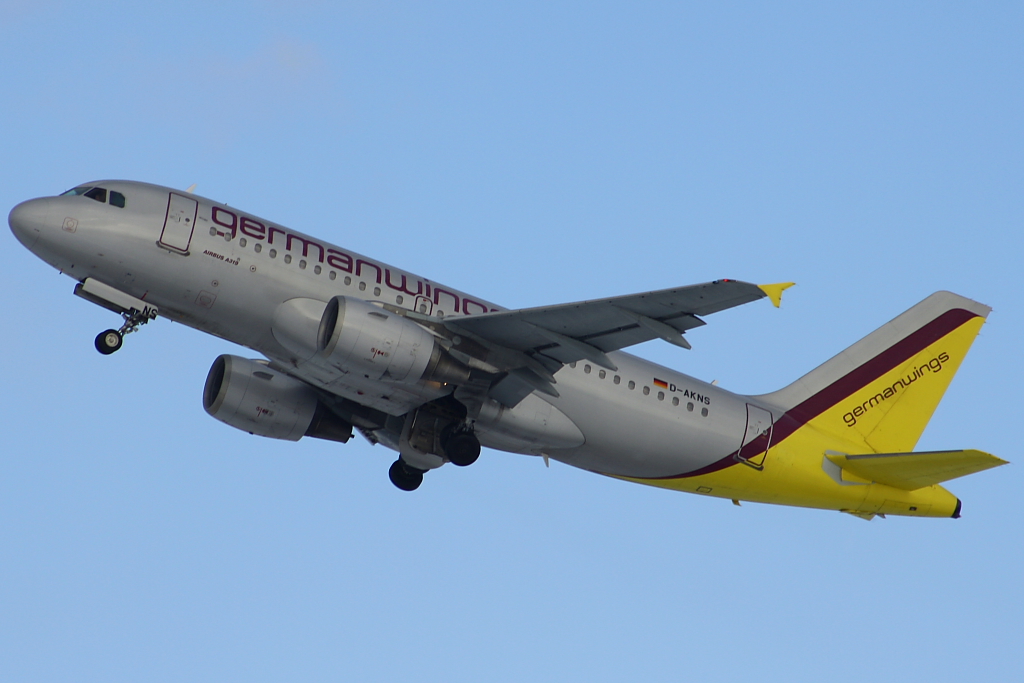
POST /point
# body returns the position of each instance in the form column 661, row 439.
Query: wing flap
column 910, row 471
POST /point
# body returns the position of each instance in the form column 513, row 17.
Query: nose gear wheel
column 109, row 341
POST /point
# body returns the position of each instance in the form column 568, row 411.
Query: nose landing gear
column 109, row 341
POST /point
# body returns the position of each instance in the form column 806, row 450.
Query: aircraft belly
column 533, row 426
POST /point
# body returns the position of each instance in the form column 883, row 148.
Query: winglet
column 775, row 291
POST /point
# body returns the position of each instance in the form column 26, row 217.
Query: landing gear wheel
column 462, row 448
column 108, row 341
column 405, row 477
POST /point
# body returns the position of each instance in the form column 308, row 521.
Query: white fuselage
column 227, row 272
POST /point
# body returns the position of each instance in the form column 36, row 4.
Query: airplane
column 435, row 373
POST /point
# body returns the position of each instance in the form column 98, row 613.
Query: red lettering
column 270, row 233
column 253, row 229
column 466, row 303
column 216, row 219
column 306, row 244
column 437, row 295
column 359, row 268
column 403, row 287
column 340, row 260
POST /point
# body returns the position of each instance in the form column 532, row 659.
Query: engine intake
column 250, row 396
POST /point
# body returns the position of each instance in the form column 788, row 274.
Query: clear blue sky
column 531, row 153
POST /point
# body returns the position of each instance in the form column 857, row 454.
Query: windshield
column 76, row 191
column 98, row 194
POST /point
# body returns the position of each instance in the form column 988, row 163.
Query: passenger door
column 179, row 223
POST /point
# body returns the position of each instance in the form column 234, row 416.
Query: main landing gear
column 109, row 341
column 405, row 477
column 459, row 445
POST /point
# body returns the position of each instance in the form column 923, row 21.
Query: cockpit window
column 116, row 199
column 97, row 193
column 77, row 191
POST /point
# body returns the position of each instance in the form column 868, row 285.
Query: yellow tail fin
column 880, row 393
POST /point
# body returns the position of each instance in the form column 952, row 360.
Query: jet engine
column 356, row 335
column 250, row 396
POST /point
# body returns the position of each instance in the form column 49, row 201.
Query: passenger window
column 661, row 395
column 97, row 193
column 586, row 369
column 602, row 374
column 116, row 199
column 647, row 391
column 704, row 412
column 675, row 400
column 616, row 379
column 632, row 385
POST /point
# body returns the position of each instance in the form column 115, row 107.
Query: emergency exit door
column 179, row 223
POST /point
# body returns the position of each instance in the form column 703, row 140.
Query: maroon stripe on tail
column 849, row 384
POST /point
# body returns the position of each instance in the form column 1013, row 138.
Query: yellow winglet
column 775, row 291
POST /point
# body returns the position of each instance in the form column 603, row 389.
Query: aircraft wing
column 553, row 335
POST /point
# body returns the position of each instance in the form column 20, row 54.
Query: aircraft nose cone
column 27, row 220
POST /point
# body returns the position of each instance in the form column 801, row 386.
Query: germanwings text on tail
column 433, row 373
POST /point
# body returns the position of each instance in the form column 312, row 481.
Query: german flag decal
column 660, row 383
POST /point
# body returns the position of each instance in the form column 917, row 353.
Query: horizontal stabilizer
column 910, row 471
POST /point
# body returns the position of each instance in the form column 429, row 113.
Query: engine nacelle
column 357, row 336
column 251, row 396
